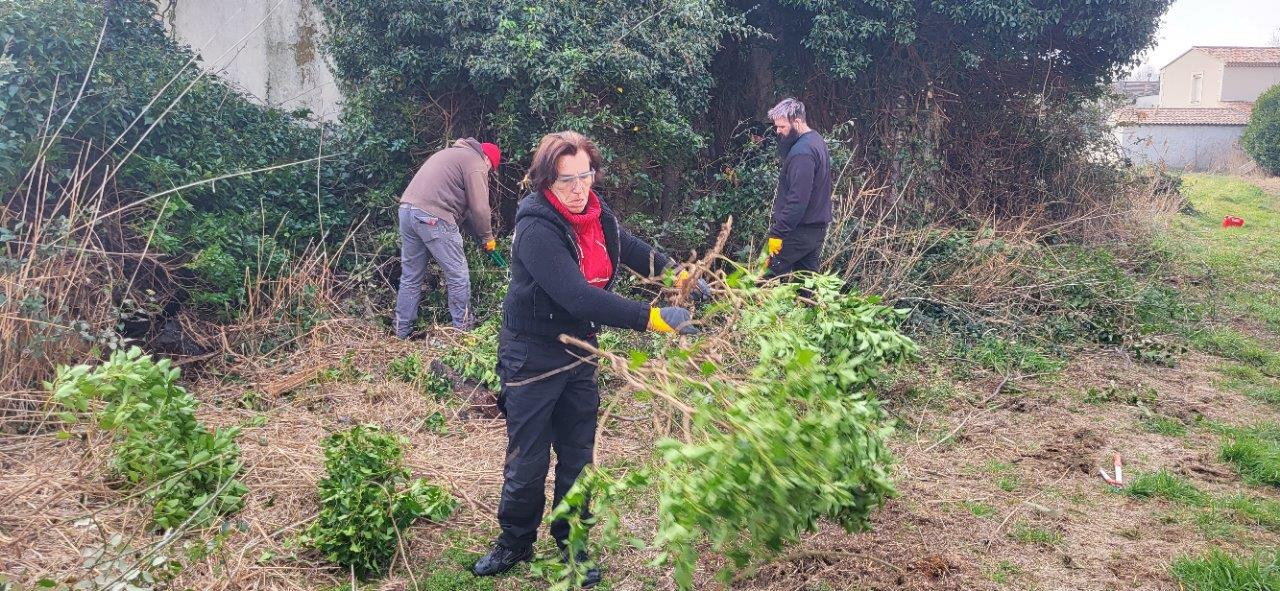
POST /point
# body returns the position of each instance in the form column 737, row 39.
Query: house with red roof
column 1206, row 96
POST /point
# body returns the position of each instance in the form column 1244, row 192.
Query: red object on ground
column 1232, row 222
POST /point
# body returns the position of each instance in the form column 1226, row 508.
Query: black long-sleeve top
column 804, row 187
column 549, row 295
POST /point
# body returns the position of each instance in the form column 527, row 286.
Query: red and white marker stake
column 1118, row 481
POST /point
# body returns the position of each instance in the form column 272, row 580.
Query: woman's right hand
column 671, row 319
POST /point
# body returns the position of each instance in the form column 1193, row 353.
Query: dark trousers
column 558, row 412
column 801, row 251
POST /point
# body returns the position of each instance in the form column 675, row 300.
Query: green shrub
column 633, row 75
column 215, row 231
column 1261, row 139
column 367, row 501
column 187, row 472
column 783, row 428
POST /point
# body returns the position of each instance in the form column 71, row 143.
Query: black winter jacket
column 549, row 296
column 804, row 187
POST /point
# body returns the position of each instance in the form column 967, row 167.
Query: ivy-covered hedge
column 955, row 103
column 216, row 231
column 632, row 74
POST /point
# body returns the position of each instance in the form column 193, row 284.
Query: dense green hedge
column 1261, row 138
column 935, row 92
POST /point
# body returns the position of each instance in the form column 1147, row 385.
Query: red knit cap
column 494, row 154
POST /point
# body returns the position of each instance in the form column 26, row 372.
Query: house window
column 1197, row 87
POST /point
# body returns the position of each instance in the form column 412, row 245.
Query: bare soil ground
column 998, row 481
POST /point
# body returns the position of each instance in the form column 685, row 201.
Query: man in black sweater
column 802, row 206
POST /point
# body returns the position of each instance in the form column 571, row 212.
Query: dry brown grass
column 871, row 248
column 925, row 539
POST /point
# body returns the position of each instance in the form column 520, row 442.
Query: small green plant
column 252, row 400
column 1011, row 357
column 1253, row 510
column 1251, row 382
column 1167, row 486
column 345, row 372
column 1255, row 452
column 1219, row 571
column 367, row 500
column 436, row 423
column 1029, row 534
column 186, row 471
column 1232, row 344
column 1112, row 392
column 476, row 358
column 412, row 370
column 979, row 509
column 451, row 572
column 1004, row 571
column 114, row 565
column 1163, row 425
column 1216, row 516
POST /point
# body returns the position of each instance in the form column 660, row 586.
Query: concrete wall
column 267, row 47
column 1245, row 83
column 1147, row 101
column 1183, row 147
column 1175, row 81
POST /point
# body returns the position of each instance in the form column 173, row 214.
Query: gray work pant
column 424, row 236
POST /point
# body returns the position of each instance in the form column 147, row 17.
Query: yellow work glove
column 775, row 245
column 700, row 292
column 671, row 319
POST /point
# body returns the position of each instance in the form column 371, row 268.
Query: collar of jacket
column 536, row 207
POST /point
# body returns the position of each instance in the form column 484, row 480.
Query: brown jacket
column 453, row 185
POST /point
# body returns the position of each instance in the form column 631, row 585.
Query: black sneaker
column 500, row 560
column 592, row 577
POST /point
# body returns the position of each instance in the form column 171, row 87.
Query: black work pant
column 557, row 412
column 801, row 251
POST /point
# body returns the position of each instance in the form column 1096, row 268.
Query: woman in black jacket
column 565, row 258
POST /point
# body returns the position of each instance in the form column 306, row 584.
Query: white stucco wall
column 1245, row 83
column 1175, row 81
column 267, row 47
column 1182, row 147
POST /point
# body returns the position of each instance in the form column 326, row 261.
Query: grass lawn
column 1239, row 267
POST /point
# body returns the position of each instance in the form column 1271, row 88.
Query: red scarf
column 595, row 263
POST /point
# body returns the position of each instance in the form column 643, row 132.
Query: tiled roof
column 1244, row 55
column 1246, row 106
column 1194, row 116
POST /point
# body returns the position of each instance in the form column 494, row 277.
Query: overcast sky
column 1213, row 22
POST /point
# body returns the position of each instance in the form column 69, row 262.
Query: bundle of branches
column 777, row 425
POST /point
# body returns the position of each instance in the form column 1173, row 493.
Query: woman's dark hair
column 554, row 145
